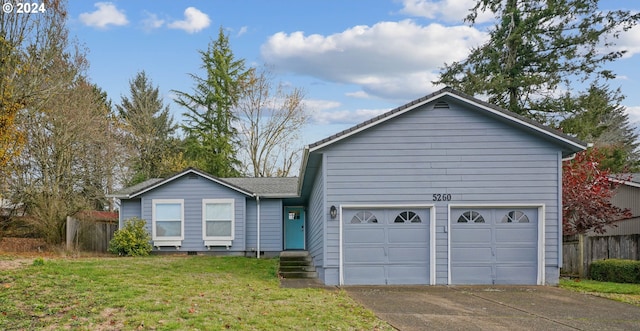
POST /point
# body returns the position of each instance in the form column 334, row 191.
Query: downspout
column 258, row 227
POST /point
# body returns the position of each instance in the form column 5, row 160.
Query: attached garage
column 387, row 245
column 495, row 245
column 485, row 182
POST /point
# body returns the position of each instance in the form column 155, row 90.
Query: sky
column 354, row 58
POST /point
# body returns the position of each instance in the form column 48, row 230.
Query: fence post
column 581, row 255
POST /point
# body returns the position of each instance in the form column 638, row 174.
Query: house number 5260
column 442, row 197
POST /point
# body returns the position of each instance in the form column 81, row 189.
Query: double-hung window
column 168, row 221
column 218, row 221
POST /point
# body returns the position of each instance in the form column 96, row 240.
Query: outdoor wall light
column 333, row 212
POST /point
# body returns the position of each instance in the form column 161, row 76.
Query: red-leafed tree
column 586, row 194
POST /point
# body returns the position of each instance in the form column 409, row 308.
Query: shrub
column 132, row 240
column 615, row 270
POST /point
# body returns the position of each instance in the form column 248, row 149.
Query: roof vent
column 193, row 176
column 441, row 105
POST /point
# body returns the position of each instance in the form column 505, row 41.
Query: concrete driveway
column 494, row 308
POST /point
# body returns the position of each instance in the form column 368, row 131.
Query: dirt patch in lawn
column 14, row 263
column 22, row 245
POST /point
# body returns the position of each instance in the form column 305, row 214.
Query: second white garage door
column 385, row 246
column 494, row 245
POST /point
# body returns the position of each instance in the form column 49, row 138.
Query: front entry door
column 293, row 228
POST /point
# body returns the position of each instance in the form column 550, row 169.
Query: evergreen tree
column 211, row 142
column 600, row 118
column 536, row 49
column 150, row 130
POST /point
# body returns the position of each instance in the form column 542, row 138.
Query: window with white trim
column 168, row 219
column 218, row 218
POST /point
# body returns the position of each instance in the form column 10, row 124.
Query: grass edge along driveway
column 170, row 293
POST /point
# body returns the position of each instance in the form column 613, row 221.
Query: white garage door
column 385, row 246
column 494, row 246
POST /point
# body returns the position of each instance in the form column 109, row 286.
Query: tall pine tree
column 538, row 48
column 600, row 118
column 211, row 141
column 150, row 130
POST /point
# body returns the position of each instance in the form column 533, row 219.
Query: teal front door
column 293, row 228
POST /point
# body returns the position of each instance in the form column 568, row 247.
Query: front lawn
column 629, row 293
column 169, row 293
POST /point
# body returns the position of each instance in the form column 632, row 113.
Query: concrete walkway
column 494, row 308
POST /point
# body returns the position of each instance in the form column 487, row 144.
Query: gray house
column 447, row 189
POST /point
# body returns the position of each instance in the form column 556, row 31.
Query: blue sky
column 354, row 58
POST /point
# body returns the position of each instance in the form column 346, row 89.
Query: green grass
column 628, row 293
column 169, row 293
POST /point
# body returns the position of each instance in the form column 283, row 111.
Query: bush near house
column 615, row 270
column 132, row 240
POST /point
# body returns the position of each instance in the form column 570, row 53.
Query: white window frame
column 158, row 240
column 218, row 240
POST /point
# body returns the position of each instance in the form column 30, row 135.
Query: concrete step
column 293, row 254
column 296, row 262
column 297, row 265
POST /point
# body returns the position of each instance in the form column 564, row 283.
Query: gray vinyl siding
column 625, row 197
column 130, row 209
column 628, row 197
column 475, row 158
column 316, row 218
column 270, row 225
column 193, row 191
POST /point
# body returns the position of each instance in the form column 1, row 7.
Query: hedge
column 615, row 270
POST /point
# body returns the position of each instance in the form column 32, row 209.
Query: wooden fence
column 86, row 235
column 579, row 251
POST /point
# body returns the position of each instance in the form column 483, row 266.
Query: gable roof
column 267, row 187
column 150, row 184
column 571, row 144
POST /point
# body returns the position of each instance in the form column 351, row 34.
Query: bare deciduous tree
column 271, row 117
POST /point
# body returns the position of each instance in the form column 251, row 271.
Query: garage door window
column 407, row 217
column 363, row 217
column 515, row 216
column 471, row 216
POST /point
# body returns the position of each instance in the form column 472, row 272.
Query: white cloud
column 445, row 10
column 106, row 14
column 315, row 105
column 152, row 21
column 634, row 115
column 194, row 21
column 345, row 116
column 324, row 112
column 358, row 94
column 243, row 30
column 629, row 41
column 395, row 60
